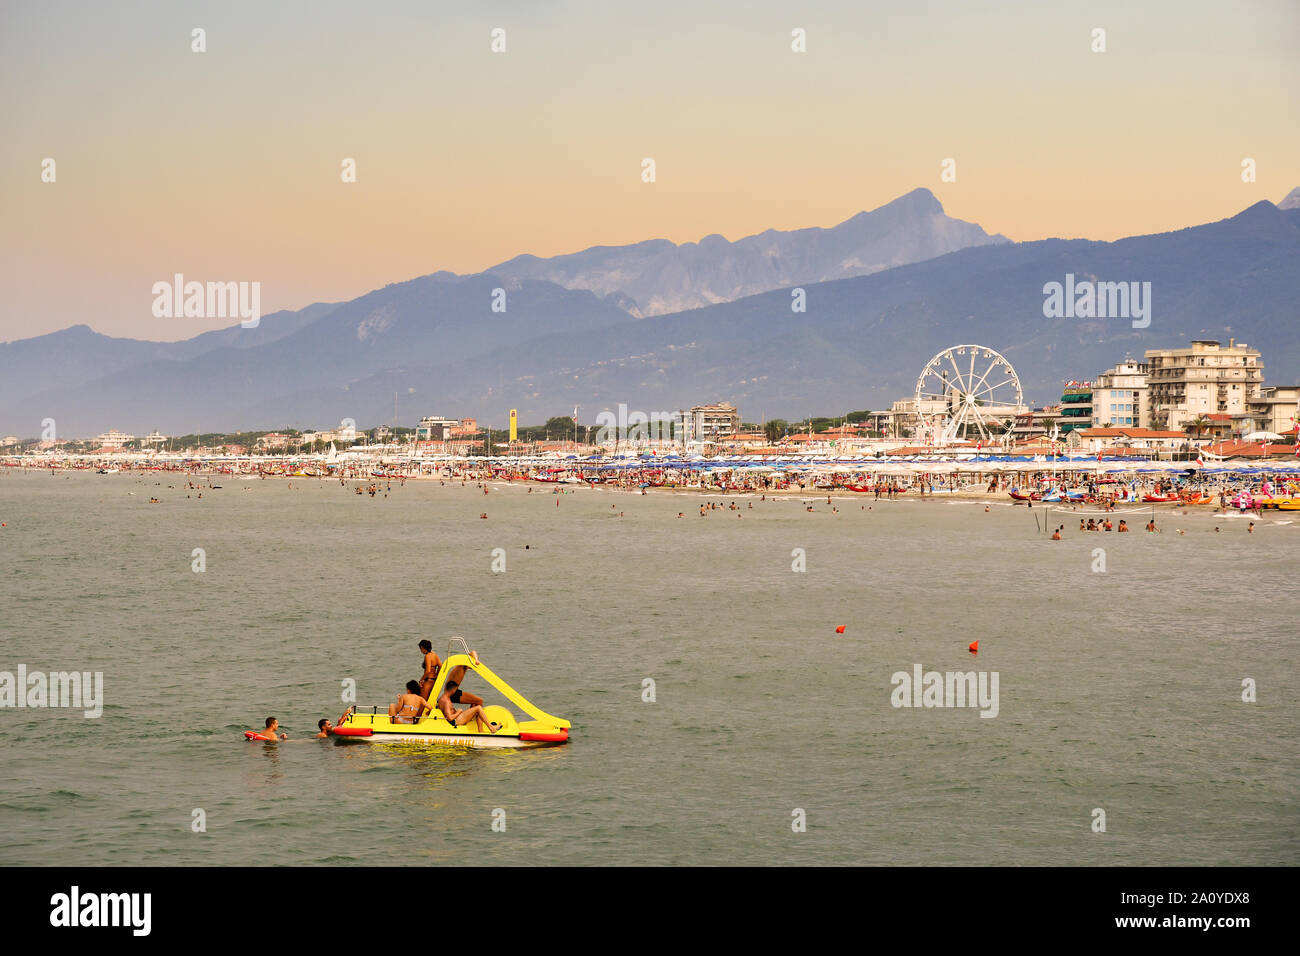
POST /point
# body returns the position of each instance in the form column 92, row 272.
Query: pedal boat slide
column 543, row 730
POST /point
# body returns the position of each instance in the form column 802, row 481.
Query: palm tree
column 1201, row 424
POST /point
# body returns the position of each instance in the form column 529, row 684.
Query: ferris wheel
column 973, row 387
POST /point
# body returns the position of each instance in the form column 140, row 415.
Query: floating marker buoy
column 840, row 629
column 974, row 647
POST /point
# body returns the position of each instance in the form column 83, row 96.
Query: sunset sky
column 225, row 165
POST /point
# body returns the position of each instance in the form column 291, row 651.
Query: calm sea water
column 1118, row 690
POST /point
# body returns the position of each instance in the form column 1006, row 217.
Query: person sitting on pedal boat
column 410, row 706
column 454, row 678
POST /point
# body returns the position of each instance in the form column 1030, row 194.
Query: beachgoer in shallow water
column 272, row 726
column 326, row 728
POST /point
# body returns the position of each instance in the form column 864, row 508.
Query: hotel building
column 1186, row 384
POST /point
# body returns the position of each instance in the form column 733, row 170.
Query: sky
column 226, row 165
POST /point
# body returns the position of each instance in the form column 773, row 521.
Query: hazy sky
column 225, row 165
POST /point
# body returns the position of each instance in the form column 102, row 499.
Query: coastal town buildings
column 274, row 440
column 113, row 439
column 908, row 419
column 1274, row 410
column 1076, row 406
column 1119, row 396
column 1037, row 424
column 714, row 422
column 433, row 428
column 1128, row 441
column 1206, row 377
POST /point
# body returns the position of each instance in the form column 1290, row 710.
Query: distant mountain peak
column 657, row 276
column 1292, row 200
column 920, row 199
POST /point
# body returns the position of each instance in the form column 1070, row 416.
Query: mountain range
column 658, row 276
column 593, row 329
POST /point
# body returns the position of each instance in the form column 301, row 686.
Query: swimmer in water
column 273, row 725
column 326, row 728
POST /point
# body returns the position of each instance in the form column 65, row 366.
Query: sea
column 734, row 680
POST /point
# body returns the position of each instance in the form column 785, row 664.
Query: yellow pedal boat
column 373, row 725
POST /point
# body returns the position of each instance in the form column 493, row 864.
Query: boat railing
column 378, row 710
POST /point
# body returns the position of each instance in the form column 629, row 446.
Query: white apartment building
column 712, row 422
column 907, row 419
column 113, row 439
column 1203, row 379
column 1276, row 409
column 1119, row 396
column 433, row 428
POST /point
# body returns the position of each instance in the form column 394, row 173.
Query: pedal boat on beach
column 544, row 730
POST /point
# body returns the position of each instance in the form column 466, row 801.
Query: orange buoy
column 974, row 647
column 840, row 629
